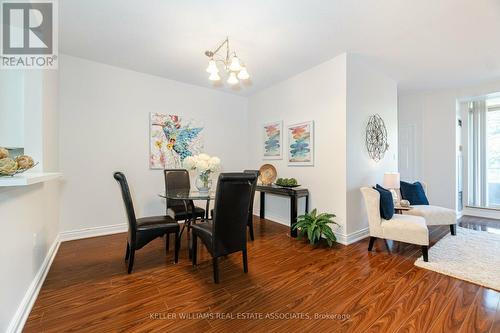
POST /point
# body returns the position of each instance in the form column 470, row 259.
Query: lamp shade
column 235, row 64
column 391, row 180
column 232, row 80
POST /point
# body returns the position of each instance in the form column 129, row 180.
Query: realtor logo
column 29, row 37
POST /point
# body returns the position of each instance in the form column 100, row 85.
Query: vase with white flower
column 205, row 166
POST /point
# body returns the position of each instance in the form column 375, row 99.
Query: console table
column 293, row 193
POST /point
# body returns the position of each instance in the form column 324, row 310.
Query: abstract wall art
column 273, row 140
column 172, row 139
column 301, row 144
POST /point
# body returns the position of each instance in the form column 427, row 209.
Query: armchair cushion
column 434, row 215
column 414, row 193
column 407, row 229
column 386, row 202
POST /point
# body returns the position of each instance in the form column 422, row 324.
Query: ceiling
column 423, row 44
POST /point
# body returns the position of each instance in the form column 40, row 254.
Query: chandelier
column 233, row 66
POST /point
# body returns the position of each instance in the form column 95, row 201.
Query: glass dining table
column 187, row 196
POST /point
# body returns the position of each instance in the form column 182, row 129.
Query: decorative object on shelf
column 24, row 162
column 267, row 174
column 404, row 203
column 13, row 166
column 206, row 166
column 376, row 138
column 391, row 182
column 301, row 144
column 315, row 227
column 172, row 139
column 287, row 182
column 3, row 153
column 231, row 64
column 273, row 140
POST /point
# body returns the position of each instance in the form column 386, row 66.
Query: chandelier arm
column 226, row 41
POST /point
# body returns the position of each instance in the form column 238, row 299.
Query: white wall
column 433, row 113
column 11, row 108
column 317, row 94
column 339, row 95
column 30, row 215
column 368, row 92
column 104, row 127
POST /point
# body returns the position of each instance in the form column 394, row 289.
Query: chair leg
column 250, row 227
column 195, row 249
column 453, row 229
column 167, row 243
column 425, row 253
column 372, row 241
column 245, row 261
column 177, row 247
column 127, row 252
column 387, row 246
column 131, row 260
column 215, row 263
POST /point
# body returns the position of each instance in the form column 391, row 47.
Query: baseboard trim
column 19, row 320
column 357, row 236
column 344, row 239
column 92, row 232
column 478, row 212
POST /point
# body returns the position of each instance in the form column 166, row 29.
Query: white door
column 407, row 152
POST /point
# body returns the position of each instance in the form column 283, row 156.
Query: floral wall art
column 172, row 139
column 273, row 140
column 301, row 143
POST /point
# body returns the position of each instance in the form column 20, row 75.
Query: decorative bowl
column 268, row 174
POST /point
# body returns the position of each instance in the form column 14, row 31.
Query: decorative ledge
column 26, row 179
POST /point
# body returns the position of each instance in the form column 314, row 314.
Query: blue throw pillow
column 386, row 203
column 414, row 193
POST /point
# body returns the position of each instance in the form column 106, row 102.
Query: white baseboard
column 92, row 232
column 19, row 320
column 353, row 237
column 17, row 323
column 342, row 238
column 478, row 212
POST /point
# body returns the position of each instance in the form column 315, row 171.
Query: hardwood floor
column 290, row 287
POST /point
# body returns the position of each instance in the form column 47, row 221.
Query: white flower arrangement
column 205, row 165
column 202, row 163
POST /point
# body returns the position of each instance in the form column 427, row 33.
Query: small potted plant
column 315, row 227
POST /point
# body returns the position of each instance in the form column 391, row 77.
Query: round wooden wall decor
column 376, row 138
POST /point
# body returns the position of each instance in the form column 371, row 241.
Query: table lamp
column 391, row 182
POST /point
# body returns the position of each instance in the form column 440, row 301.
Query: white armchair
column 434, row 215
column 402, row 228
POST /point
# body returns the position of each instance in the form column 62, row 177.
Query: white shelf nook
column 26, row 179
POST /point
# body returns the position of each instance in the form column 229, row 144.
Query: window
column 484, row 153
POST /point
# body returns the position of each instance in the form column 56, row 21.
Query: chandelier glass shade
column 229, row 62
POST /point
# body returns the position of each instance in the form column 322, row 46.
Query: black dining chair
column 178, row 179
column 143, row 230
column 226, row 233
column 250, row 213
column 179, row 210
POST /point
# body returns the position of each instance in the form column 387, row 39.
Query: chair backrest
column 254, row 185
column 176, row 179
column 129, row 206
column 372, row 203
column 232, row 203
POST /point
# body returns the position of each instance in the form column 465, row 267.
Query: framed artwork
column 171, row 139
column 272, row 147
column 301, row 144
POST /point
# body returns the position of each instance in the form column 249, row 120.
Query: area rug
column 471, row 255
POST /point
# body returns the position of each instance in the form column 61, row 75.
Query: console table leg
column 293, row 215
column 262, row 204
column 307, row 204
